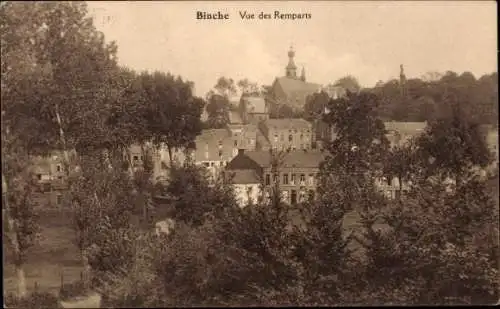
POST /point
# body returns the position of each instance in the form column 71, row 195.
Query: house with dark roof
column 291, row 89
column 288, row 133
column 297, row 172
column 216, row 147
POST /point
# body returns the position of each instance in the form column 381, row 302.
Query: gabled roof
column 296, row 89
column 241, row 162
column 288, row 123
column 243, row 176
column 294, row 158
column 255, row 105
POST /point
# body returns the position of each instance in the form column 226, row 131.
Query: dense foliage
column 435, row 244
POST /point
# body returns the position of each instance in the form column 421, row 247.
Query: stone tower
column 291, row 68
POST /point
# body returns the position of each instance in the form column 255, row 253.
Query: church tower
column 291, row 68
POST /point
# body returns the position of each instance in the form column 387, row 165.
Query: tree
column 322, row 247
column 248, row 87
column 58, row 91
column 361, row 146
column 218, row 111
column 103, row 202
column 18, row 212
column 436, row 247
column 402, row 162
column 172, row 113
column 225, row 87
column 452, row 146
column 315, row 106
column 186, row 201
column 349, row 83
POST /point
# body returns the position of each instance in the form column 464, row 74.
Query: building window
column 58, row 199
column 220, row 153
column 207, row 164
column 212, row 164
column 235, row 143
column 39, row 176
column 275, row 138
column 285, row 179
column 311, row 180
column 275, row 179
column 301, row 136
column 290, row 137
column 268, row 179
column 293, row 179
column 58, row 167
column 293, row 198
column 302, row 179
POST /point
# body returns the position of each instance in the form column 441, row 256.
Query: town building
column 50, row 174
column 297, row 174
column 284, row 134
column 254, row 109
column 292, row 89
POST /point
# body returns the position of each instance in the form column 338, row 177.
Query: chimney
column 241, row 151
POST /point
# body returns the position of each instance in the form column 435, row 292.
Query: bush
column 35, row 300
column 72, row 290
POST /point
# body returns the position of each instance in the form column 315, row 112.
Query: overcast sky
column 366, row 39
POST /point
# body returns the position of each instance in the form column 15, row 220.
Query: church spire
column 291, row 68
column 303, row 75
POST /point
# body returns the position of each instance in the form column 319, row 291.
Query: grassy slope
column 54, row 255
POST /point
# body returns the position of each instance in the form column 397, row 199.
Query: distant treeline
column 422, row 99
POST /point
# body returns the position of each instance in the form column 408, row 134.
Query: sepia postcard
column 249, row 153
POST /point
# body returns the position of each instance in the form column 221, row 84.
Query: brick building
column 297, row 172
column 284, row 134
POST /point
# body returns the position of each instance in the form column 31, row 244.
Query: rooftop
column 255, row 104
column 296, row 158
column 288, row 123
column 213, row 134
column 244, row 176
column 296, row 89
